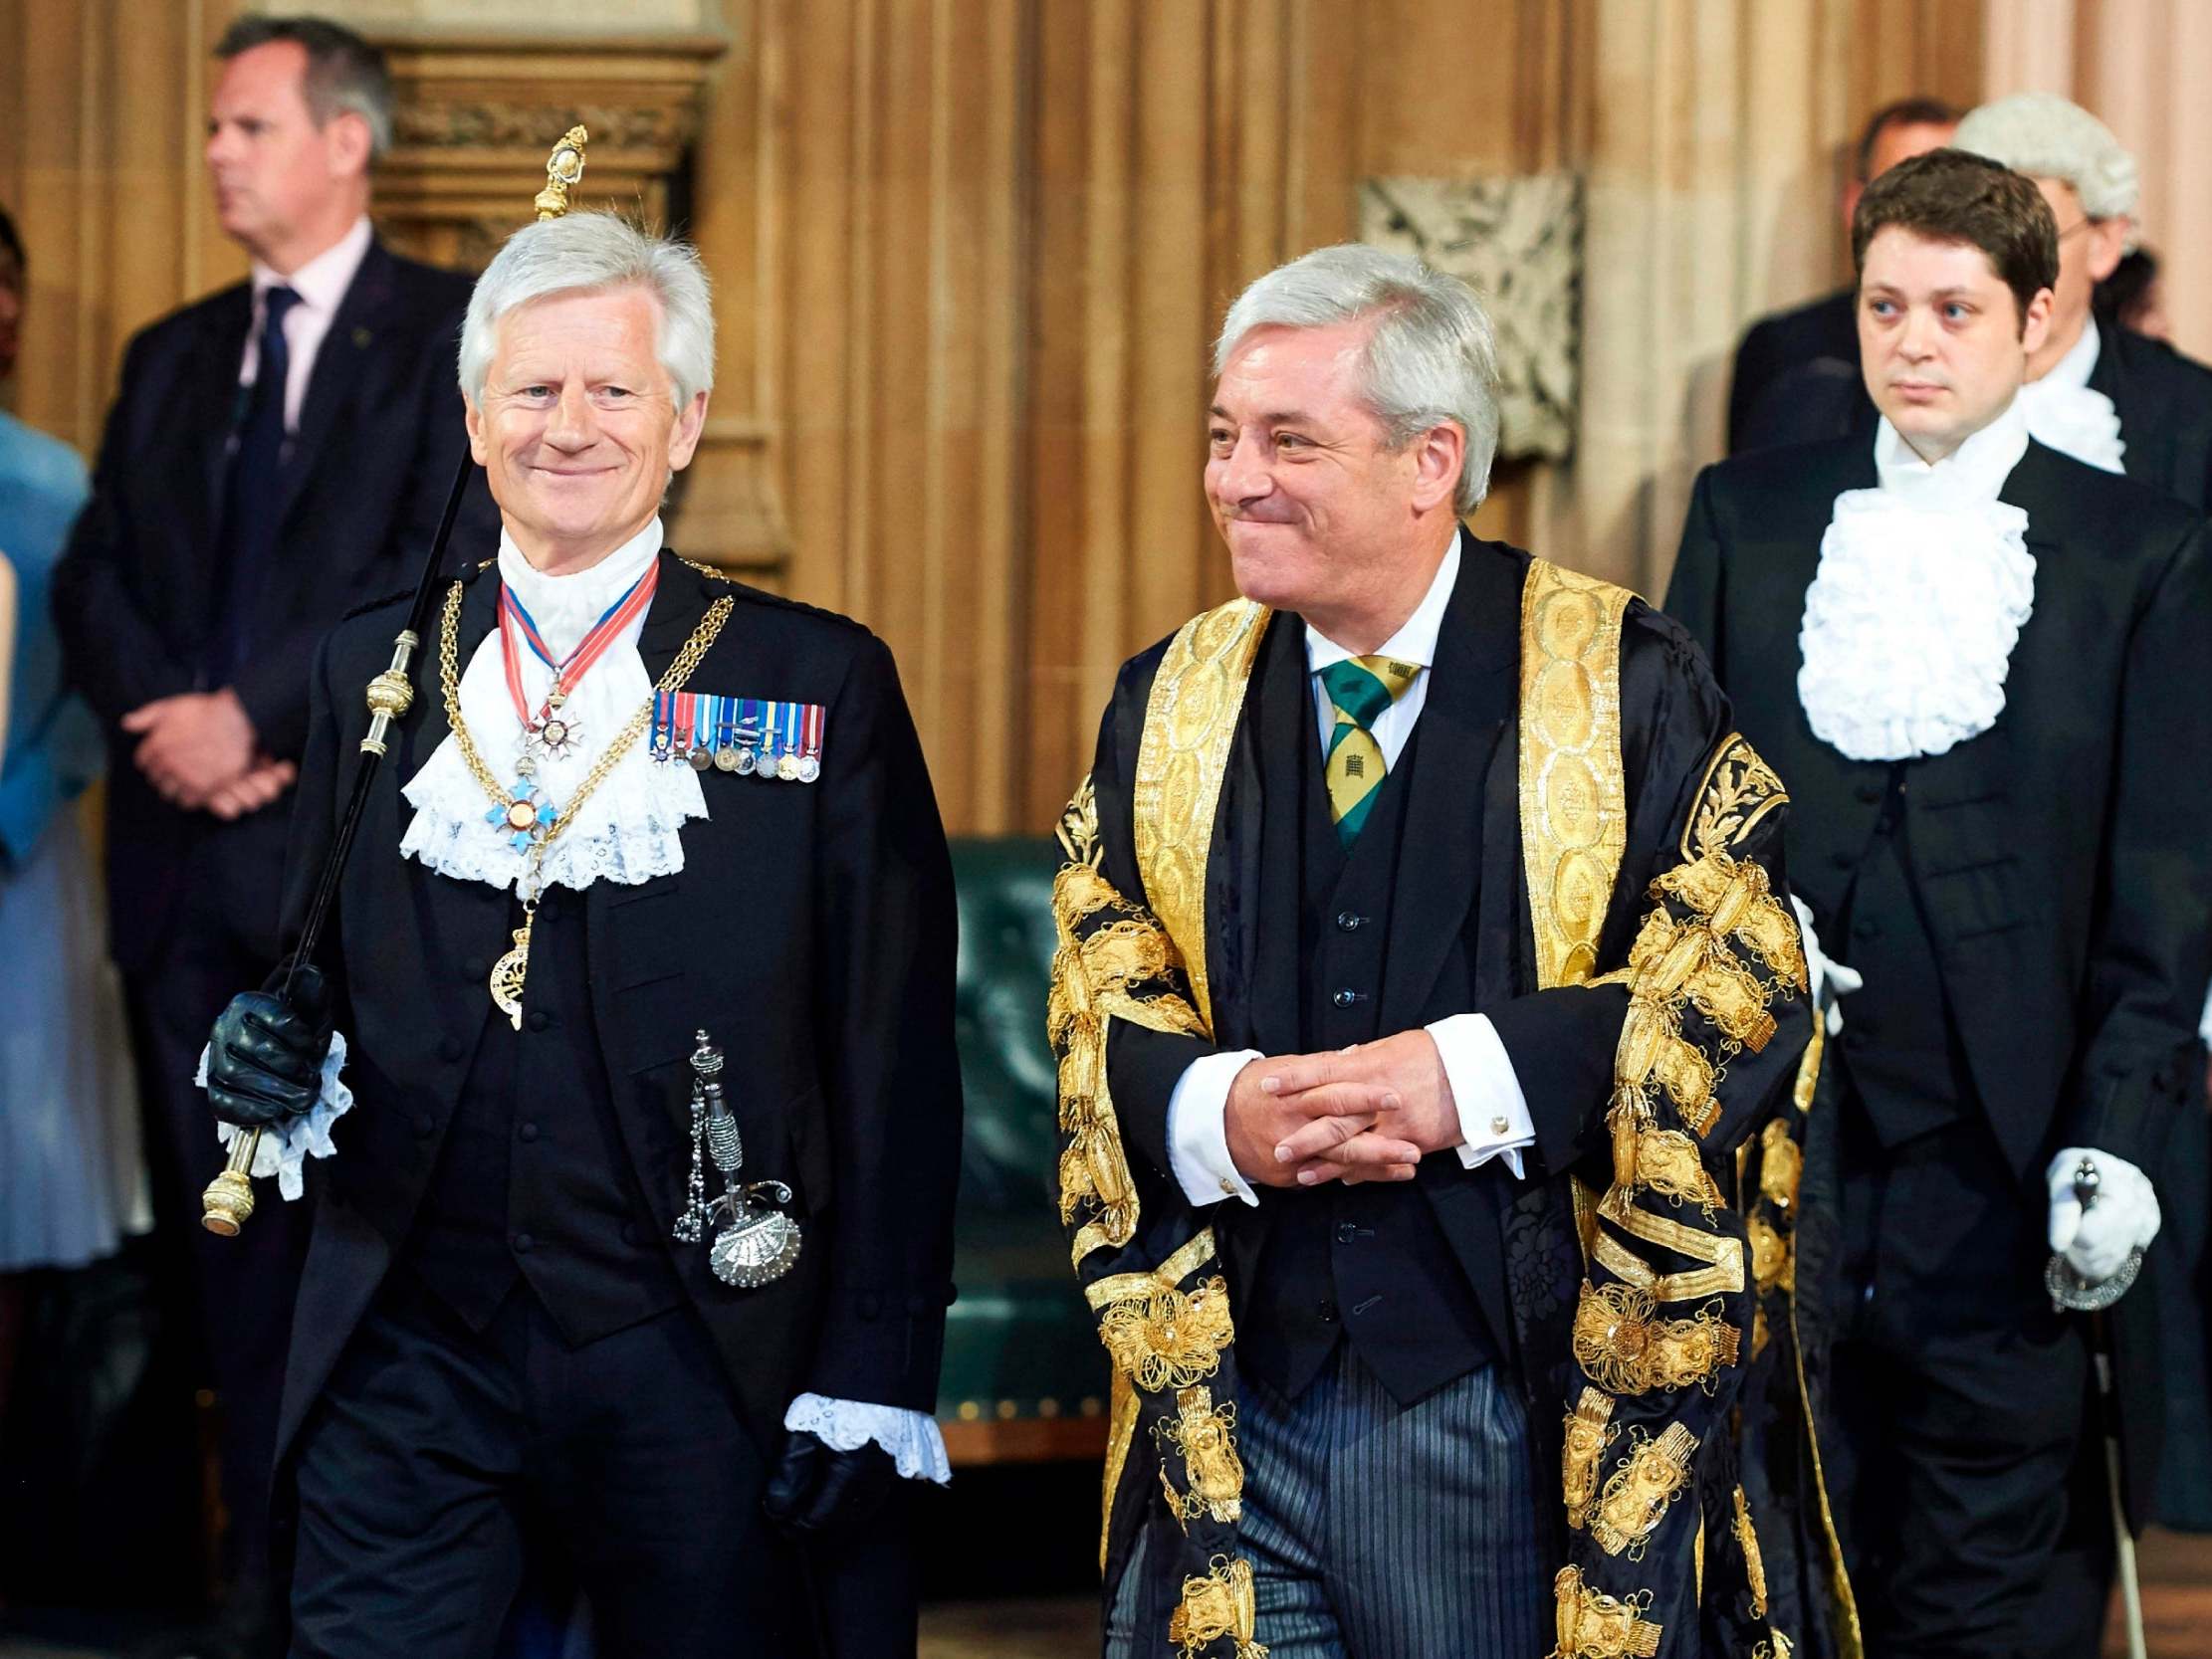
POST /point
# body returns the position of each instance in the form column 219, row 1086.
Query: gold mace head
column 563, row 170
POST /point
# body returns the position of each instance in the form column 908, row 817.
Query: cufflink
column 1498, row 1127
column 1228, row 1188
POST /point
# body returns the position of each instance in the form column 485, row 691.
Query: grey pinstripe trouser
column 1382, row 1532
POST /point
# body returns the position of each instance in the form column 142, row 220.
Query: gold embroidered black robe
column 1623, row 909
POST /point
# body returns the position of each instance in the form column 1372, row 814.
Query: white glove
column 1822, row 970
column 2124, row 1216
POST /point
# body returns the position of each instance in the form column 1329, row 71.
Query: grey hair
column 346, row 74
column 1430, row 358
column 2046, row 136
column 589, row 253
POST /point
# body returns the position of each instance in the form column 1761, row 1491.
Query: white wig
column 2045, row 136
column 1430, row 359
column 591, row 253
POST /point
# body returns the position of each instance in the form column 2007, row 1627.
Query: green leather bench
column 1024, row 1377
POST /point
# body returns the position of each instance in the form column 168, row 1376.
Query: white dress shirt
column 2067, row 414
column 321, row 284
column 1493, row 1112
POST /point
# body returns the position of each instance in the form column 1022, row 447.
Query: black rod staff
column 229, row 1198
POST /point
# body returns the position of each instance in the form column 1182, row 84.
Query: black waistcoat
column 1898, row 1045
column 533, row 1178
column 1362, row 1264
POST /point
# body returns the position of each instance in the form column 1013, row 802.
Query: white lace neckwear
column 2067, row 414
column 1922, row 588
column 626, row 829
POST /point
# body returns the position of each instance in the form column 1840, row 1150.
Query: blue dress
column 72, row 1171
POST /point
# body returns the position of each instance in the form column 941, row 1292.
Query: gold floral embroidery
column 1162, row 1337
column 1781, row 1165
column 1621, row 1343
column 1111, row 963
column 1667, row 1163
column 1077, row 830
column 1770, row 1255
column 1216, row 1606
column 1738, row 790
column 1589, row 1434
column 1754, row 1567
column 1206, row 1435
column 1635, row 1499
column 1593, row 1625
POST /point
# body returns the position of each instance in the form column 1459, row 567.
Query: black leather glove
column 265, row 1056
column 818, row 1490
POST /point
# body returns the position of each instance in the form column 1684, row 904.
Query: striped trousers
column 1378, row 1531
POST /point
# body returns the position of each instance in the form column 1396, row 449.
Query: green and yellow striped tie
column 1360, row 688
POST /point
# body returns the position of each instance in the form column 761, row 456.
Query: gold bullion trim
column 1191, row 719
column 1573, row 794
column 1214, row 1605
column 1593, row 1625
column 1621, row 1343
column 1206, row 1435
column 1645, row 1483
column 1754, row 1565
column 1590, row 1432
column 1722, row 1275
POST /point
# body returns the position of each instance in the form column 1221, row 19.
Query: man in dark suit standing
column 275, row 456
column 2100, row 394
column 1424, row 962
column 1802, row 366
column 647, row 1111
column 1976, row 662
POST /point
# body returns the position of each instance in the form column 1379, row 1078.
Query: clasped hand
column 198, row 750
column 1368, row 1113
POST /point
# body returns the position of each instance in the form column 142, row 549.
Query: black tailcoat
column 2058, row 857
column 2164, row 402
column 811, row 933
column 135, row 595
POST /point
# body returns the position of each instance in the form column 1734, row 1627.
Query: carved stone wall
column 1517, row 241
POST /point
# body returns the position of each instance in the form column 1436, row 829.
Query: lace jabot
column 2067, row 414
column 1924, row 586
column 626, row 831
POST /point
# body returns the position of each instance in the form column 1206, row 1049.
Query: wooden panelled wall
column 970, row 255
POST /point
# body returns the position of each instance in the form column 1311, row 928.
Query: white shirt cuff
column 913, row 1439
column 1493, row 1112
column 1197, row 1131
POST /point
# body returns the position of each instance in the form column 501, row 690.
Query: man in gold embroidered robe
column 1425, row 958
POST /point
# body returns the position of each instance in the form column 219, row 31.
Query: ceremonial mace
column 229, row 1198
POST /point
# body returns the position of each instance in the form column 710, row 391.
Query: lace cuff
column 911, row 1438
column 284, row 1152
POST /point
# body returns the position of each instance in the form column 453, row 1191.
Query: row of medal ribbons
column 749, row 736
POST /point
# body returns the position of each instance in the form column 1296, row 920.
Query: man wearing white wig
column 1978, row 663
column 1424, row 965
column 633, row 1034
column 2096, row 391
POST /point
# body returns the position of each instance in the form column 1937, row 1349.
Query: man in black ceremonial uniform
column 653, row 845
column 277, row 454
column 1796, row 373
column 1976, row 663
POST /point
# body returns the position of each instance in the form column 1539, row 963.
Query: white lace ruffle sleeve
column 912, row 1438
column 283, row 1152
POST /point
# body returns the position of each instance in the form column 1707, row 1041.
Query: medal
column 749, row 736
column 702, row 753
column 509, row 972
column 810, row 746
column 550, row 731
column 662, row 736
column 763, row 764
column 527, row 817
column 725, row 747
column 787, row 763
